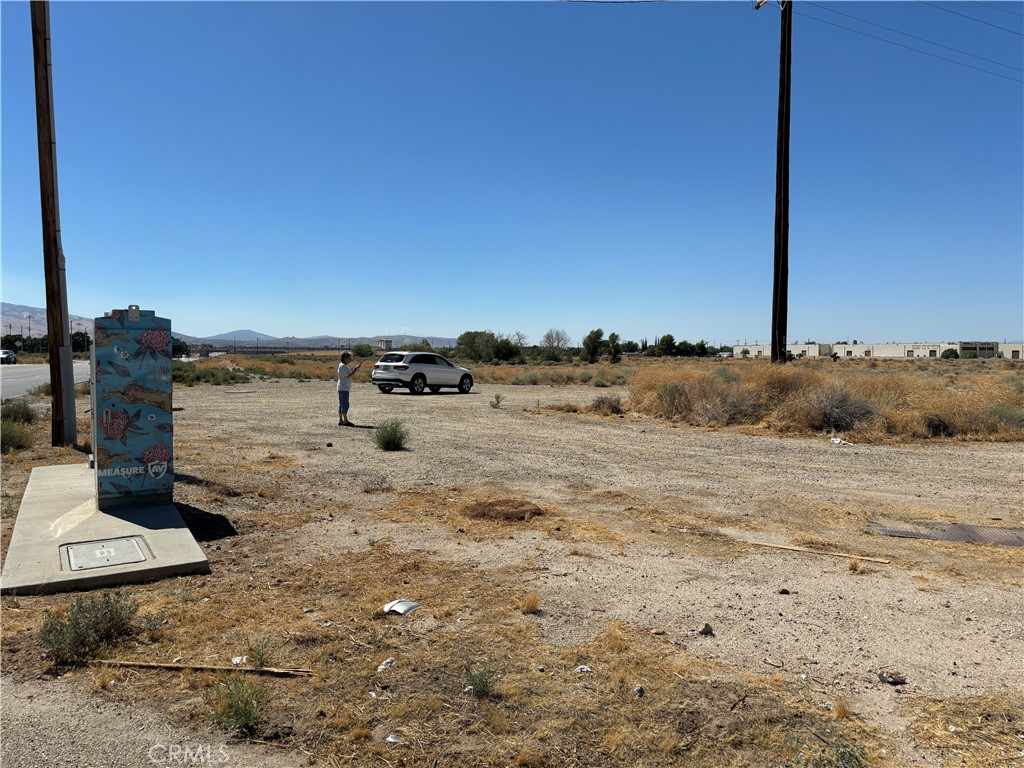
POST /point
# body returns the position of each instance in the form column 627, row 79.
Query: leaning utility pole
column 780, row 291
column 62, row 379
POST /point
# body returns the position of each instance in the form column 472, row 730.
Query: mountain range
column 31, row 321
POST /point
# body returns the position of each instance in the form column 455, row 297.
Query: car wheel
column 418, row 384
column 385, row 388
column 465, row 384
column 435, row 390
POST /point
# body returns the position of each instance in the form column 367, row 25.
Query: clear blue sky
column 430, row 168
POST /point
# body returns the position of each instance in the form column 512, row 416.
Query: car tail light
column 401, row 367
column 376, row 367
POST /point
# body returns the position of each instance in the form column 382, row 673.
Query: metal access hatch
column 105, row 553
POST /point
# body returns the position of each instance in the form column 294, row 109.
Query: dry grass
column 326, row 615
column 531, row 603
column 975, row 732
column 894, row 400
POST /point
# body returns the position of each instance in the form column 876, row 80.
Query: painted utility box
column 132, row 427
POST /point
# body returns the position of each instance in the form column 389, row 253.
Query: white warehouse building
column 983, row 349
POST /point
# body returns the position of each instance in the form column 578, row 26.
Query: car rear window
column 392, row 358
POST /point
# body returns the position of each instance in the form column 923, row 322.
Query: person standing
column 345, row 375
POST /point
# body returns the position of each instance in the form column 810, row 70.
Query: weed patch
column 391, row 435
column 13, row 436
column 90, row 623
column 18, row 411
column 236, row 702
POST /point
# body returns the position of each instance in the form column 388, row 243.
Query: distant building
column 384, row 345
column 980, row 348
column 915, row 350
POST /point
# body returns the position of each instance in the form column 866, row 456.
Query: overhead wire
column 972, row 18
column 915, row 37
column 997, row 8
column 910, row 48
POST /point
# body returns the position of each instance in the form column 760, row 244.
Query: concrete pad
column 62, row 541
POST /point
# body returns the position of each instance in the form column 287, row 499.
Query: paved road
column 20, row 378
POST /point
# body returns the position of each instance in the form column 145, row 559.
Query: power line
column 915, row 37
column 909, row 48
column 996, row 8
column 986, row 23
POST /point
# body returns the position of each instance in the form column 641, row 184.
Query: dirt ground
column 641, row 530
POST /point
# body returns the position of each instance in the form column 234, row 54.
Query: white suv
column 419, row 371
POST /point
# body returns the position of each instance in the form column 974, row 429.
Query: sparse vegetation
column 838, row 753
column 190, row 374
column 391, row 435
column 89, row 624
column 496, row 402
column 317, row 590
column 480, row 681
column 236, row 701
column 17, row 411
column 890, row 401
column 259, row 651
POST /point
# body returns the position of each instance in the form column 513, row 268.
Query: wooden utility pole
column 62, row 380
column 780, row 291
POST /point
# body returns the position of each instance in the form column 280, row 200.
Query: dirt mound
column 509, row 510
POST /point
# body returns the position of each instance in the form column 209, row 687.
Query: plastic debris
column 404, row 607
column 706, row 630
column 394, row 738
column 386, row 664
column 639, row 691
column 840, row 441
column 238, row 661
column 582, row 669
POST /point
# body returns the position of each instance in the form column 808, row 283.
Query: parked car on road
column 419, row 371
column 8, row 356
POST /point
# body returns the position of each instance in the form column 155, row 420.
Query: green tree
column 950, row 354
column 614, row 347
column 593, row 345
column 179, row 348
column 80, row 341
column 630, row 347
column 686, row 349
column 701, row 348
column 666, row 345
column 476, row 345
column 504, row 350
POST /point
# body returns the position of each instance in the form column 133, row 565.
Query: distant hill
column 31, row 321
column 245, row 335
column 19, row 318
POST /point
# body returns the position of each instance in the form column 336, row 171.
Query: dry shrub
column 531, row 603
column 893, row 400
column 607, row 405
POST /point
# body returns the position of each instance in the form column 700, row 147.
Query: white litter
column 237, row 661
column 386, row 664
column 403, row 607
column 840, row 441
column 582, row 669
